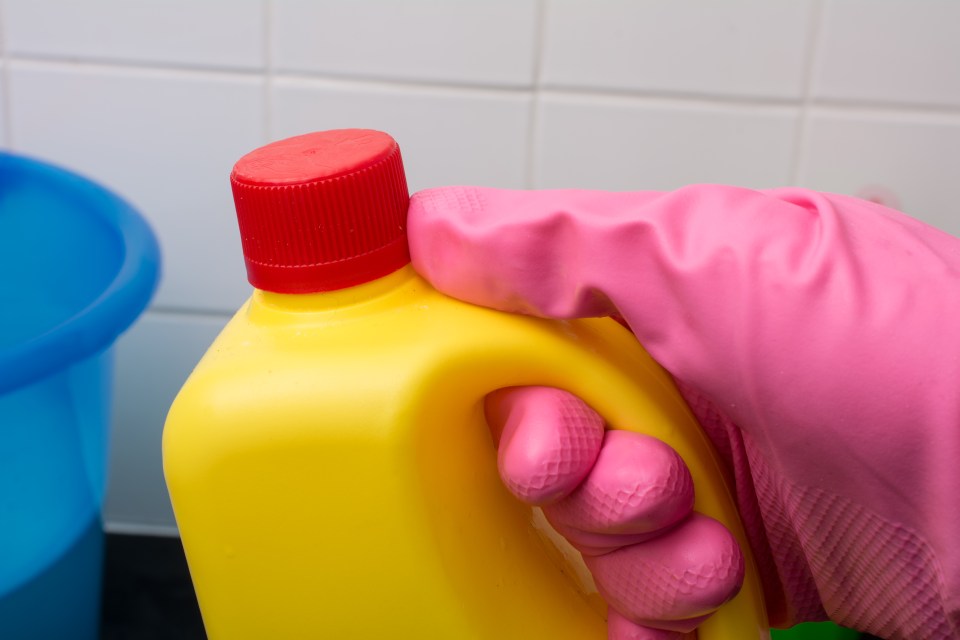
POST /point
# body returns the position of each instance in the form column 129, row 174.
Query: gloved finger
column 637, row 486
column 620, row 628
column 675, row 580
column 548, row 440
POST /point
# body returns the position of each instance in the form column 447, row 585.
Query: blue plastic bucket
column 77, row 266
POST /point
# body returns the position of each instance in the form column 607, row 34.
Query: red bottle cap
column 322, row 211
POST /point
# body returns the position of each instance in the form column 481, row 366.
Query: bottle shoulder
column 407, row 344
column 404, row 316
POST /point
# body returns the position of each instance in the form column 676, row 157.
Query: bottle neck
column 338, row 299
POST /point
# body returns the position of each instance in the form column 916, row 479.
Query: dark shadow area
column 147, row 593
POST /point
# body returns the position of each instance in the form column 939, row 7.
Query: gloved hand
column 816, row 338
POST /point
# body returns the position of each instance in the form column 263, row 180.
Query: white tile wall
column 490, row 42
column 736, row 47
column 447, row 136
column 897, row 52
column 4, row 125
column 158, row 98
column 634, row 144
column 212, row 33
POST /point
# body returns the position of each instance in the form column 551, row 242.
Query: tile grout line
column 379, row 82
column 79, row 64
column 663, row 99
column 268, row 75
column 124, row 526
column 803, row 124
column 188, row 313
column 533, row 119
column 653, row 98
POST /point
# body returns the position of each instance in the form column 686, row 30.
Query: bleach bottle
column 328, row 461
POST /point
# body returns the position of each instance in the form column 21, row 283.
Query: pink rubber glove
column 817, row 339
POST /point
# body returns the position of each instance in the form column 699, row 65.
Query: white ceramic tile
column 907, row 160
column 738, row 48
column 153, row 359
column 447, row 137
column 3, row 104
column 167, row 142
column 221, row 33
column 627, row 144
column 899, row 52
column 490, row 42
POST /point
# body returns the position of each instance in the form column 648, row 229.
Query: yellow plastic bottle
column 328, row 461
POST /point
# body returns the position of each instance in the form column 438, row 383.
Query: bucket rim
column 93, row 328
